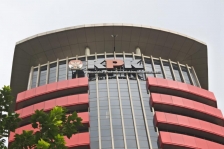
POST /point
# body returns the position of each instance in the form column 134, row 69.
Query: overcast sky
column 203, row 20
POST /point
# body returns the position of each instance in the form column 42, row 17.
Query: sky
column 200, row 19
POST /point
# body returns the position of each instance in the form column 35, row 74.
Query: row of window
column 58, row 71
column 116, row 102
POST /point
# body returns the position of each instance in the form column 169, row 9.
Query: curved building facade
column 145, row 88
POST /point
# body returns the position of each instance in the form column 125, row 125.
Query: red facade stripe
column 185, row 103
column 185, row 141
column 182, row 87
column 83, row 115
column 52, row 87
column 188, row 122
column 79, row 139
column 50, row 104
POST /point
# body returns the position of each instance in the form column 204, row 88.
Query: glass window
column 52, row 72
column 167, row 70
column 62, row 70
column 119, row 57
column 118, row 143
column 185, row 75
column 148, row 67
column 158, row 67
column 143, row 144
column 100, row 56
column 91, row 57
column 131, row 144
column 43, row 73
column 194, row 77
column 34, row 78
column 106, row 144
column 94, row 144
column 138, row 57
column 128, row 57
column 177, row 72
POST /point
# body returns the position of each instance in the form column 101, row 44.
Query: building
column 109, row 82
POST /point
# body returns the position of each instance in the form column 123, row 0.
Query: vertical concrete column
column 114, row 55
column 76, row 70
column 162, row 67
column 143, row 111
column 66, row 68
column 133, row 55
column 30, row 78
column 196, row 77
column 153, row 66
column 138, row 51
column 57, row 69
column 86, row 74
column 47, row 74
column 133, row 114
column 111, row 125
column 171, row 67
column 143, row 63
column 87, row 51
column 121, row 113
column 38, row 76
column 189, row 73
column 182, row 76
column 98, row 111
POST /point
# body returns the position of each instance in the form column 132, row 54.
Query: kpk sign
column 108, row 66
column 75, row 64
column 113, row 63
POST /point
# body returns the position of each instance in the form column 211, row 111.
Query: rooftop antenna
column 114, row 36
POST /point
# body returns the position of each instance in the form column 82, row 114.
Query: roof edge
column 105, row 25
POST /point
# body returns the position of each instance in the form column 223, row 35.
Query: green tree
column 8, row 119
column 51, row 129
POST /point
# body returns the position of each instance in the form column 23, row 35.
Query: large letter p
column 111, row 63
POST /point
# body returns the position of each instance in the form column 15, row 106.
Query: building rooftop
column 72, row 41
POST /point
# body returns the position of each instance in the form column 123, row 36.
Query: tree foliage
column 51, row 128
column 8, row 119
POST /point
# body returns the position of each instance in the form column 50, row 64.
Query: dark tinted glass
column 158, row 67
column 62, row 70
column 43, row 73
column 167, row 70
column 185, row 75
column 177, row 72
column 148, row 67
column 52, row 72
column 194, row 77
column 34, row 78
column 149, row 115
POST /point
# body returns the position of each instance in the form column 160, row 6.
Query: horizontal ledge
column 175, row 88
column 67, row 101
column 169, row 140
column 83, row 115
column 191, row 126
column 52, row 90
column 182, row 106
column 79, row 139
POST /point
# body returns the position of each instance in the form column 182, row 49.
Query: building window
column 43, row 73
column 148, row 67
column 52, row 73
column 177, row 72
column 185, row 75
column 62, row 70
column 158, row 67
column 194, row 79
column 34, row 78
column 167, row 70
